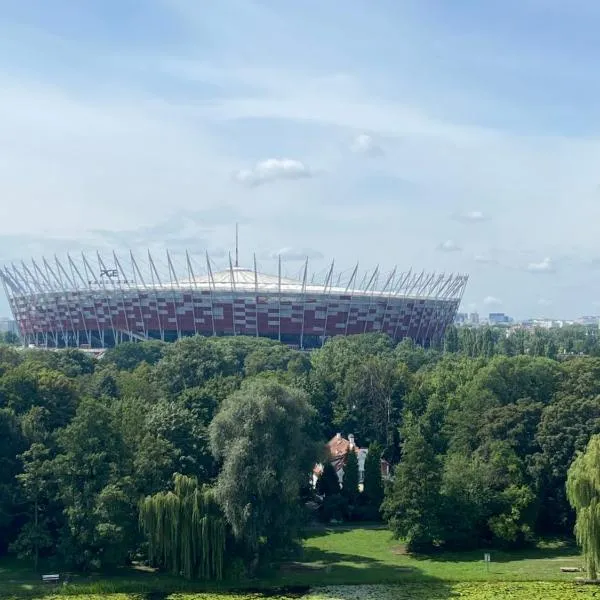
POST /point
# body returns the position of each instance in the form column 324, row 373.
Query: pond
column 527, row 590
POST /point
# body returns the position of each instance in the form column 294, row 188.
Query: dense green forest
column 181, row 454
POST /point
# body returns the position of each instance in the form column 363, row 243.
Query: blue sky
column 452, row 136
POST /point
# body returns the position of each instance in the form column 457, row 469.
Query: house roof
column 338, row 447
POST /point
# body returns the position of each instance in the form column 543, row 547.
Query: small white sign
column 487, row 557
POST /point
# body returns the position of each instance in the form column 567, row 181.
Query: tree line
column 181, row 454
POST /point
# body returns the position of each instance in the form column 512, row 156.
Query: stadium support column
column 303, row 303
column 173, row 278
column 122, row 274
column 72, row 291
column 12, row 288
column 13, row 310
column 64, row 295
column 73, row 268
column 327, row 299
column 371, row 285
column 397, row 291
column 155, row 278
column 90, row 273
column 108, row 297
column 437, row 291
column 36, row 288
column 136, row 273
column 422, row 293
column 255, row 294
column 192, row 279
column 447, row 293
column 279, row 297
column 211, row 281
column 53, row 292
column 389, row 281
column 412, row 284
column 351, row 282
column 232, row 275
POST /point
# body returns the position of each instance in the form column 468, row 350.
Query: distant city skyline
column 450, row 137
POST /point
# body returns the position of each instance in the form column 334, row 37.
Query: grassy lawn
column 338, row 557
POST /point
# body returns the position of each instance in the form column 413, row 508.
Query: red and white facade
column 71, row 303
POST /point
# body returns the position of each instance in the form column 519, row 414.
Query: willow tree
column 185, row 529
column 583, row 493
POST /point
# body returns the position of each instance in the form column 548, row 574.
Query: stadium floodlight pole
column 192, row 279
column 107, row 297
column 173, row 278
column 351, row 282
column 156, row 278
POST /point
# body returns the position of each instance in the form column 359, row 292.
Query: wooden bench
column 50, row 578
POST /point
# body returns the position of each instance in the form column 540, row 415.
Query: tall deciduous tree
column 373, row 484
column 264, row 438
column 350, row 481
column 328, row 483
column 186, row 530
column 413, row 507
column 34, row 535
column 583, row 492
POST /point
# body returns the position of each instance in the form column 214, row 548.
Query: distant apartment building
column 8, row 326
column 499, row 319
column 461, row 319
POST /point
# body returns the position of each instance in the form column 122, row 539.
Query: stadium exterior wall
column 100, row 312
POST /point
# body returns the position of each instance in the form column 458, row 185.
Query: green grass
column 341, row 556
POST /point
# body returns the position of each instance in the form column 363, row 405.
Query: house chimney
column 338, row 436
column 351, row 439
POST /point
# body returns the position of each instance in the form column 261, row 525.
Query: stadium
column 101, row 302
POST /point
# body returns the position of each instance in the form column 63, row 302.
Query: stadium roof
column 116, row 274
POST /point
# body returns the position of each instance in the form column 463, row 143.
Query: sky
column 456, row 137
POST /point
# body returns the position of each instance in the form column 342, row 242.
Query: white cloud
column 472, row 216
column 485, row 259
column 273, row 169
column 296, row 254
column 449, row 246
column 492, row 301
column 544, row 266
column 544, row 302
column 365, row 144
